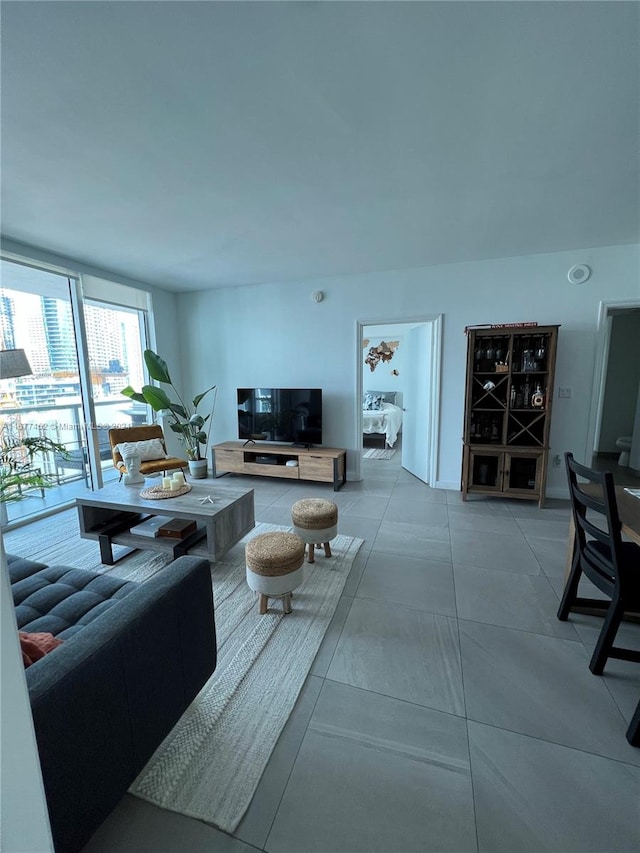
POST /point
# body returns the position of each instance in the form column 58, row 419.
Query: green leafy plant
column 184, row 420
column 274, row 422
column 17, row 469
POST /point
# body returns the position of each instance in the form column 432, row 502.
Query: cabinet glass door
column 486, row 469
column 522, row 472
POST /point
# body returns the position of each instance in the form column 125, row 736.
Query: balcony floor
column 55, row 498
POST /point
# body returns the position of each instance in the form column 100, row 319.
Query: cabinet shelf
column 506, row 443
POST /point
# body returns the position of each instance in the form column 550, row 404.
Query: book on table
column 178, row 528
column 150, row 527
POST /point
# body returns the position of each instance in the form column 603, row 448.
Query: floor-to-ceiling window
column 83, row 348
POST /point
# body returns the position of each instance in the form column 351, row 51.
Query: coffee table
column 108, row 514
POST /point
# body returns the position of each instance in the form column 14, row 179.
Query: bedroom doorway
column 398, row 384
column 615, row 404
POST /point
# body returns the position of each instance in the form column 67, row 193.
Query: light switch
column 563, row 391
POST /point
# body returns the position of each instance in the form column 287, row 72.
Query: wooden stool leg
column 264, row 601
column 327, row 549
column 286, row 602
column 311, row 557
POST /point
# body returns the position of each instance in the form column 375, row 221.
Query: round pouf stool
column 275, row 567
column 315, row 521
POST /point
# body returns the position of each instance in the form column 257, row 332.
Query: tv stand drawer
column 229, row 460
column 318, row 468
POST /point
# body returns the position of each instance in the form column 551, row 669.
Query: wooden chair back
column 135, row 433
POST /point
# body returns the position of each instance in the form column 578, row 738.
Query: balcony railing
column 64, row 424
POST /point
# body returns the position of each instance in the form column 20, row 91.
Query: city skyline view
column 43, row 327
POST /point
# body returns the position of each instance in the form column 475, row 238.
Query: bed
column 382, row 416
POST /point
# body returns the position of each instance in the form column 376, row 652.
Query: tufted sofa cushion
column 20, row 568
column 62, row 600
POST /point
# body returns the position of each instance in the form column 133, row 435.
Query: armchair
column 142, row 433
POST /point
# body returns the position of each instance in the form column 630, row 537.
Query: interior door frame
column 601, row 360
column 433, row 378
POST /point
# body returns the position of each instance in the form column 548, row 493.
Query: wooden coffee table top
column 117, row 496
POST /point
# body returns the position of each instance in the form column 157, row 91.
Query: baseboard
column 561, row 494
column 450, row 485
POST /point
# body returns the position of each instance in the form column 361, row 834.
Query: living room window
column 82, row 350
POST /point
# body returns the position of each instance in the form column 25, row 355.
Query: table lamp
column 13, row 363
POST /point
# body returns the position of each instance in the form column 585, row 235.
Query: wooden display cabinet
column 507, row 417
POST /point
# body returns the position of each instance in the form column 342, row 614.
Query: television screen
column 280, row 414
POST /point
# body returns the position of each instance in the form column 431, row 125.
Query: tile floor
column 447, row 709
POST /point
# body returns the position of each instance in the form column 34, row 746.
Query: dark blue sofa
column 134, row 656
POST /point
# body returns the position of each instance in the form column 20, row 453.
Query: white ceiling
column 197, row 145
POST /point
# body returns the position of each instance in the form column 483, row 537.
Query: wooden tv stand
column 321, row 464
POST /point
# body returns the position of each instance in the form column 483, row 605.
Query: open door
column 615, row 404
column 420, row 371
column 415, row 444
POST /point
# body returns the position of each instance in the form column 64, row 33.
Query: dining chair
column 633, row 732
column 613, row 566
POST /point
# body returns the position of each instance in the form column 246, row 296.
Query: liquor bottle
column 516, row 357
column 519, row 397
column 537, row 398
column 512, row 397
column 526, row 395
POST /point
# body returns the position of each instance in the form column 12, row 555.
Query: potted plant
column 184, row 420
column 275, row 423
column 18, row 468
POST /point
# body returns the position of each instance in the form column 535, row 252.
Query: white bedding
column 387, row 420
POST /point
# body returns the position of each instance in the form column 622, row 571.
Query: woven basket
column 157, row 493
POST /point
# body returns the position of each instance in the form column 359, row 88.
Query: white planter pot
column 198, row 468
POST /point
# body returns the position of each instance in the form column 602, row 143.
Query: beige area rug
column 372, row 453
column 210, row 764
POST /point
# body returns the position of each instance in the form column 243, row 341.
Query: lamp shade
column 14, row 362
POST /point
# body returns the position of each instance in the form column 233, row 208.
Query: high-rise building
column 7, row 308
column 58, row 325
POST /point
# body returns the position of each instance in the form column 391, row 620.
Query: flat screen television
column 280, row 414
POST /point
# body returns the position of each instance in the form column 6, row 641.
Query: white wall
column 276, row 335
column 382, row 379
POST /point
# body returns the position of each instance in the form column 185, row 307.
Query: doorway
column 398, row 363
column 615, row 408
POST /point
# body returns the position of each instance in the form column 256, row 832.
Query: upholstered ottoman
column 275, row 567
column 315, row 521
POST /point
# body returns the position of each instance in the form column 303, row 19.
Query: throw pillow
column 387, row 396
column 36, row 645
column 372, row 402
column 150, row 449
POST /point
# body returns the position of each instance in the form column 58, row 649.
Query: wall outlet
column 557, row 461
column 563, row 391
